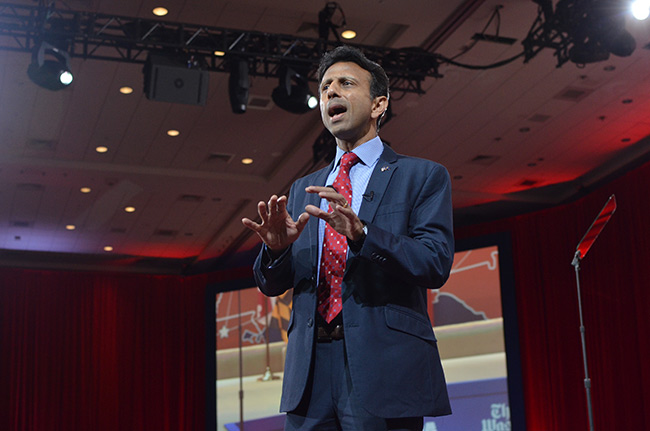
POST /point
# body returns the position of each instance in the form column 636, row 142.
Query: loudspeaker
column 169, row 79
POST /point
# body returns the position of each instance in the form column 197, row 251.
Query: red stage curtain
column 615, row 284
column 85, row 351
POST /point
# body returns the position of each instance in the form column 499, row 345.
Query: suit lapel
column 381, row 175
column 312, row 225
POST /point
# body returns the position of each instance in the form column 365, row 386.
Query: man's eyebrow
column 338, row 78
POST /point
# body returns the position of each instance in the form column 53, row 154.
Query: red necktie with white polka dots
column 335, row 249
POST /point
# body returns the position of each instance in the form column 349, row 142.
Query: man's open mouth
column 336, row 111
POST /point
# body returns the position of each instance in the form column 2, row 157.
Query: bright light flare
column 312, row 102
column 640, row 9
column 66, row 77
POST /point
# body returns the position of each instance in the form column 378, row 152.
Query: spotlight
column 640, row 9
column 597, row 29
column 238, row 85
column 52, row 74
column 293, row 94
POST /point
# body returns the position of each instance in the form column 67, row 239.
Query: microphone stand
column 241, row 365
column 581, row 250
column 268, row 374
column 576, row 264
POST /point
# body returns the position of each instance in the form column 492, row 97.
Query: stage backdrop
column 86, row 351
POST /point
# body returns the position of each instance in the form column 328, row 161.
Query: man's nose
column 331, row 91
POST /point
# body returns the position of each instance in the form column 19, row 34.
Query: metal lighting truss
column 126, row 39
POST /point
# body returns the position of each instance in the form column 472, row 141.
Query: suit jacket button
column 310, row 322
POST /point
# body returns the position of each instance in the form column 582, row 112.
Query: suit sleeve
column 424, row 254
column 275, row 276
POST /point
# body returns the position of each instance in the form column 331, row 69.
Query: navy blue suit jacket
column 391, row 348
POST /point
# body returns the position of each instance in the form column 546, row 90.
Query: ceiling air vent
column 528, row 183
column 42, row 144
column 220, row 157
column 165, row 232
column 485, row 160
column 539, row 118
column 573, row 94
column 191, row 198
column 21, row 223
column 29, row 187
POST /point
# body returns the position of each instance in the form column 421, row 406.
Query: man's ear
column 379, row 106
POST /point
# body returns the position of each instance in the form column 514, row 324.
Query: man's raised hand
column 277, row 230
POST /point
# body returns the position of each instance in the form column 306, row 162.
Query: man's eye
column 325, row 87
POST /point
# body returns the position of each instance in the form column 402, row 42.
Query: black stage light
column 176, row 79
column 238, row 85
column 597, row 29
column 53, row 73
column 293, row 94
column 325, row 21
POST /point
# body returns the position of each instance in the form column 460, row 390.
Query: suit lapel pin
column 385, row 168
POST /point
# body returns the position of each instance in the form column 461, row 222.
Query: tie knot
column 348, row 160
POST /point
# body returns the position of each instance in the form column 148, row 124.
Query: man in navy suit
column 372, row 363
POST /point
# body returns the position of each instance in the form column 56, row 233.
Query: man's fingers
column 344, row 210
column 331, row 196
column 273, row 204
column 302, row 221
column 251, row 224
column 319, row 189
column 315, row 211
column 282, row 204
column 262, row 211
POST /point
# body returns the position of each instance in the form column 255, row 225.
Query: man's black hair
column 344, row 53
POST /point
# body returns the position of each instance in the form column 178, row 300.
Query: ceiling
column 514, row 138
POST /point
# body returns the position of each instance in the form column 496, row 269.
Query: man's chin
column 338, row 129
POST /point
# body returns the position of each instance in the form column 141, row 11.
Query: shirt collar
column 368, row 152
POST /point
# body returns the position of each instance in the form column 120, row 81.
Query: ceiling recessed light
column 160, row 11
column 627, row 101
column 247, row 161
column 70, row 227
column 626, row 140
column 126, row 90
column 219, row 53
column 85, row 190
column 173, row 132
column 129, row 209
column 101, row 149
column 349, row 34
column 108, row 248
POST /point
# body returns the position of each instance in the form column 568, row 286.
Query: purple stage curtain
column 615, row 284
column 87, row 351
